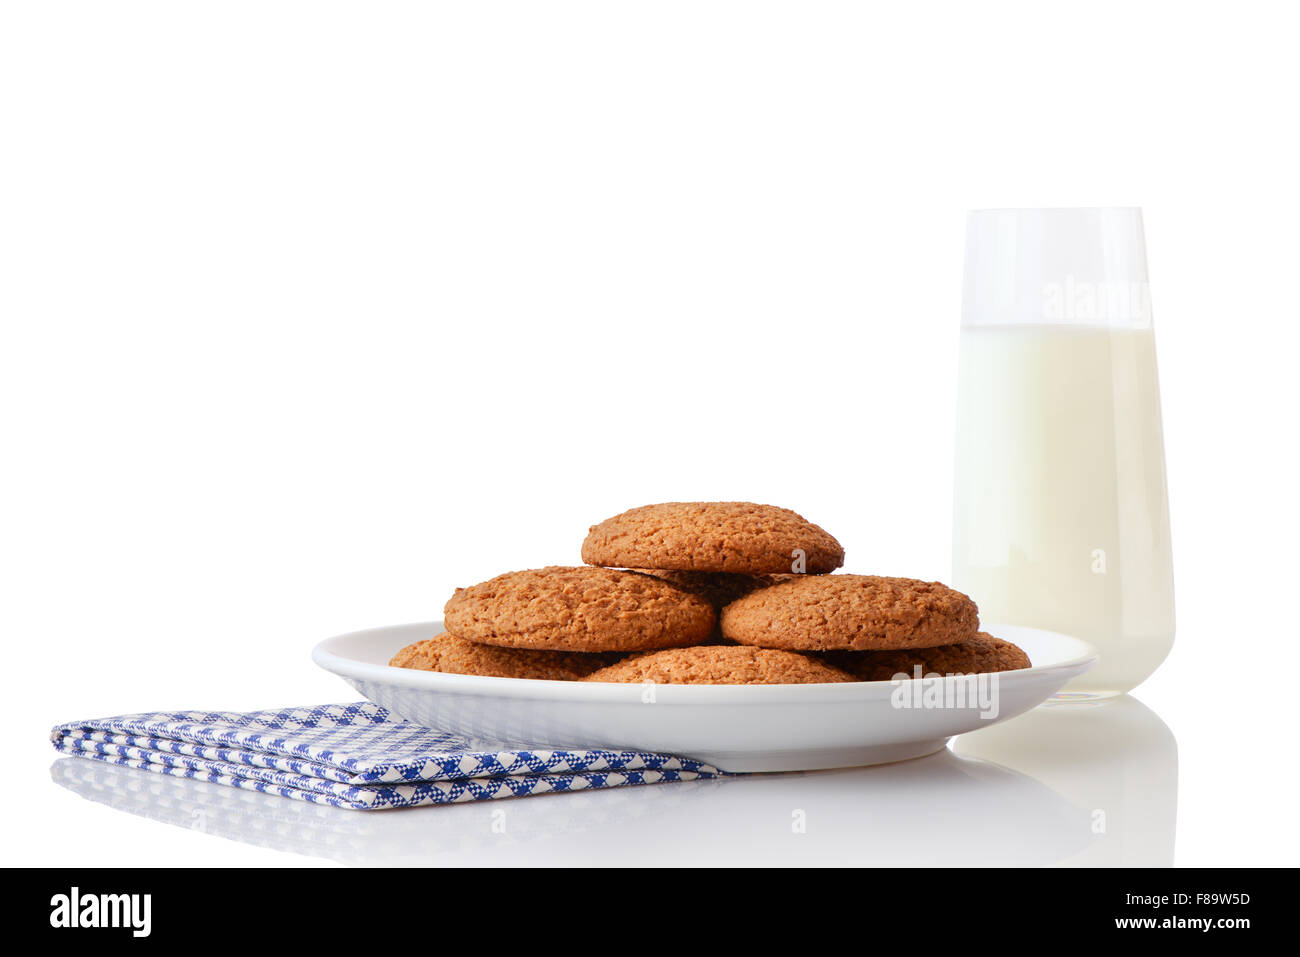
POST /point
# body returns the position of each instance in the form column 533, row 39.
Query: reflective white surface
column 1026, row 792
column 1113, row 759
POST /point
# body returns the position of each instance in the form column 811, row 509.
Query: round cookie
column 579, row 609
column 851, row 613
column 721, row 665
column 738, row 537
column 451, row 655
column 981, row 655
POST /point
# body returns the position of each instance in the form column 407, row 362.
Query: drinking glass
column 1061, row 516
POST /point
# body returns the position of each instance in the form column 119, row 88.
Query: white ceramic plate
column 733, row 727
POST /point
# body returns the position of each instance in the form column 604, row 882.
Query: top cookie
column 851, row 613
column 579, row 609
column 738, row 537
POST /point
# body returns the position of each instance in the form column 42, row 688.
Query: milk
column 1061, row 516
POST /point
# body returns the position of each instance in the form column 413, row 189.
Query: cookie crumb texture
column 579, row 609
column 451, row 655
column 851, row 613
column 737, row 537
column 721, row 665
column 983, row 654
column 719, row 589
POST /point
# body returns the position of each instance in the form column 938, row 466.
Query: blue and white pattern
column 352, row 755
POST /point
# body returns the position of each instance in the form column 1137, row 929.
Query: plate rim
column 324, row 655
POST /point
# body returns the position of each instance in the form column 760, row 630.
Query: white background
column 315, row 311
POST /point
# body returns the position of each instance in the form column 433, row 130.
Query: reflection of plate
column 734, row 727
column 939, row 811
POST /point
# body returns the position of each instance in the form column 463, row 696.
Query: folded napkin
column 354, row 756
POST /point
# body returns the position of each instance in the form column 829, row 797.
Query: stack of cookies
column 709, row 593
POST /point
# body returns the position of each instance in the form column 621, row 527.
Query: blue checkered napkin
column 352, row 755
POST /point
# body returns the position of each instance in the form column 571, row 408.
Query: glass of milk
column 1061, row 518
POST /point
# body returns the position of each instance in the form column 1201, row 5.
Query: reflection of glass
column 1061, row 519
column 1113, row 759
